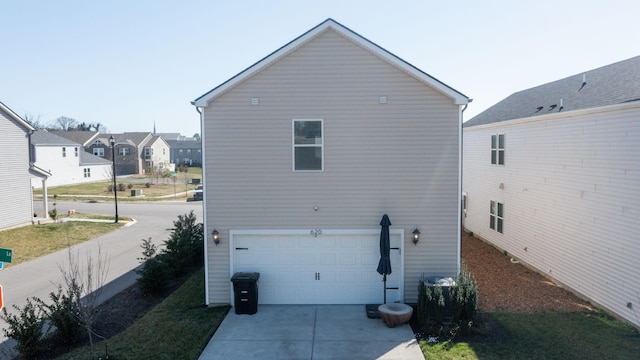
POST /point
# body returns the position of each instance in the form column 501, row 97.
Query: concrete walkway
column 310, row 332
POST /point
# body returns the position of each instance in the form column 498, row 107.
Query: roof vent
column 539, row 108
column 584, row 81
column 561, row 107
column 552, row 107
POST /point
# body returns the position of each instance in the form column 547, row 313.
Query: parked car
column 197, row 195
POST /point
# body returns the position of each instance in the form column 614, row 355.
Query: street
column 41, row 276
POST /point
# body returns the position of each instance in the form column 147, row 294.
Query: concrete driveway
column 310, row 332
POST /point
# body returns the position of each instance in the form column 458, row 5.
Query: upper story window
column 64, row 151
column 123, row 151
column 98, row 152
column 497, row 149
column 75, row 151
column 308, row 145
column 496, row 216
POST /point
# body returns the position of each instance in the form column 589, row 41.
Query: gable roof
column 330, row 24
column 81, row 137
column 16, row 118
column 608, row 85
column 90, row 159
column 45, row 138
column 129, row 138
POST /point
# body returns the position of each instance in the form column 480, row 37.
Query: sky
column 130, row 64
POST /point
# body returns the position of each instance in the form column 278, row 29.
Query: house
column 551, row 176
column 82, row 137
column 136, row 152
column 15, row 184
column 66, row 160
column 183, row 149
column 304, row 152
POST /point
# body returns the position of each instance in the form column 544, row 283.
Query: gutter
column 204, row 207
column 461, row 169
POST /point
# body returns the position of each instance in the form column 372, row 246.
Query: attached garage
column 331, row 267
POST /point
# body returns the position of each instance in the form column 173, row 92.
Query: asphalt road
column 39, row 277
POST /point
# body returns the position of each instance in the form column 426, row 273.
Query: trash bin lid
column 245, row 276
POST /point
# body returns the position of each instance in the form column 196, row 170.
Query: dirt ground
column 509, row 287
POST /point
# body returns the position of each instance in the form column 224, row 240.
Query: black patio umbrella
column 384, row 265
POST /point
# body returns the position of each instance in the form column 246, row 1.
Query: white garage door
column 336, row 267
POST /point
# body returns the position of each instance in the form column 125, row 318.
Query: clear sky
column 128, row 64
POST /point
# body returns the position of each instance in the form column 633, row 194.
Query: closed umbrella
column 384, row 265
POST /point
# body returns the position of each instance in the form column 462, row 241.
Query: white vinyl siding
column 572, row 195
column 15, row 184
column 399, row 158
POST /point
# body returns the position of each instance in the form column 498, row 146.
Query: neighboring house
column 135, row 152
column 66, row 160
column 305, row 151
column 15, row 183
column 184, row 150
column 552, row 176
column 84, row 138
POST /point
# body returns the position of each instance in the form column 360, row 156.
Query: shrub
column 53, row 214
column 185, row 246
column 64, row 315
column 149, row 250
column 147, row 185
column 154, row 275
column 26, row 328
column 130, row 186
column 122, row 187
column 110, row 188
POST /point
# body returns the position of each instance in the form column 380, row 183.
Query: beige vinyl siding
column 15, row 182
column 399, row 158
column 571, row 199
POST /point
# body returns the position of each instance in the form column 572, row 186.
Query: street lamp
column 113, row 161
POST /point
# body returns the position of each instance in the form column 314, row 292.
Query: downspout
column 460, row 161
column 204, row 208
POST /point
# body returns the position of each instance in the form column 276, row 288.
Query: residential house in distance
column 135, row 152
column 84, row 138
column 15, row 184
column 183, row 149
column 66, row 160
column 552, row 176
column 306, row 150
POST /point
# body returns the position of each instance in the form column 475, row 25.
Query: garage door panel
column 328, row 269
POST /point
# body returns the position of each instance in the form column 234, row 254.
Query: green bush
column 64, row 316
column 130, row 186
column 154, row 275
column 26, row 328
column 147, row 185
column 185, row 246
column 122, row 187
column 110, row 188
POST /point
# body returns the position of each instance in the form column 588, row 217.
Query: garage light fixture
column 215, row 235
column 416, row 237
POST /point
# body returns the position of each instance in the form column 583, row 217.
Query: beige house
column 305, row 151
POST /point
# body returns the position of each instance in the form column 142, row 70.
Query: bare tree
column 86, row 285
column 64, row 123
column 35, row 121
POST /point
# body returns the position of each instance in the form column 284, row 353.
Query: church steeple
column 154, row 127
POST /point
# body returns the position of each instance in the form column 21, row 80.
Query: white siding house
column 552, row 176
column 305, row 151
column 15, row 183
column 66, row 160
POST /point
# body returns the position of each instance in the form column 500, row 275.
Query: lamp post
column 113, row 162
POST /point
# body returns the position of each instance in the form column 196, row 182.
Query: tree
column 64, row 123
column 196, row 137
column 34, row 121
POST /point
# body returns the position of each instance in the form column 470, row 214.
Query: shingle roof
column 90, row 159
column 608, row 85
column 43, row 137
column 81, row 137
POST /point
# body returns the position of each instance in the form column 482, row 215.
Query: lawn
column 33, row 241
column 178, row 328
column 157, row 188
column 551, row 335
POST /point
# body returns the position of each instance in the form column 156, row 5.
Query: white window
column 123, row 151
column 98, row 152
column 496, row 216
column 308, row 145
column 64, row 151
column 87, row 172
column 75, row 151
column 497, row 149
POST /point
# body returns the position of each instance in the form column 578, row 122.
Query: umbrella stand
column 384, row 279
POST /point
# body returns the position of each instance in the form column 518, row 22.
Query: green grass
column 178, row 328
column 548, row 336
column 33, row 241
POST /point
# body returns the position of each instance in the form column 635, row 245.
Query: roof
column 15, row 117
column 330, row 24
column 90, row 159
column 81, row 137
column 129, row 138
column 613, row 84
column 45, row 138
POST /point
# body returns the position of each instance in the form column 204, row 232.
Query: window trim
column 64, row 152
column 496, row 216
column 98, row 151
column 497, row 150
column 124, row 151
column 294, row 145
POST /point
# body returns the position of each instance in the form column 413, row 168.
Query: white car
column 197, row 195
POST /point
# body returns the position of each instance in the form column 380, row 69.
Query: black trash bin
column 245, row 289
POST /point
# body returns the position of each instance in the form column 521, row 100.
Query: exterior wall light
column 215, row 235
column 416, row 237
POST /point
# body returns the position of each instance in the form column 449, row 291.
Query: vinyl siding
column 15, row 186
column 399, row 158
column 571, row 199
